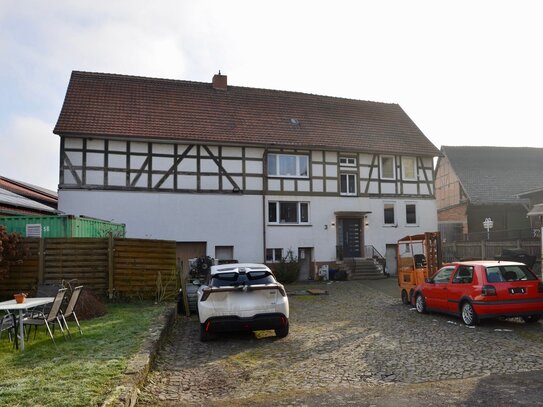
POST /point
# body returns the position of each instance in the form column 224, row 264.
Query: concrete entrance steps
column 358, row 268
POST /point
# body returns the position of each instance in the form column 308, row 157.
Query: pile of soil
column 89, row 306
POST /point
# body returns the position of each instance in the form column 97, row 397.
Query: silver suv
column 242, row 297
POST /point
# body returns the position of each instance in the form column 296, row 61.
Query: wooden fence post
column 110, row 253
column 41, row 260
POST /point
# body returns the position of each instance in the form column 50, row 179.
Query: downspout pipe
column 264, row 191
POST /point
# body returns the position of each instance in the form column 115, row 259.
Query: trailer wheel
column 405, row 297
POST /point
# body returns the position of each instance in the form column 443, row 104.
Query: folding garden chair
column 6, row 324
column 69, row 311
column 49, row 318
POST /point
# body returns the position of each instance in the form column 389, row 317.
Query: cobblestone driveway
column 359, row 338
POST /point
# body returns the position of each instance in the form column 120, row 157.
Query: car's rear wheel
column 405, row 297
column 204, row 335
column 530, row 319
column 469, row 316
column 282, row 332
column 420, row 304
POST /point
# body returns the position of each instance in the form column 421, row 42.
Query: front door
column 352, row 237
column 305, row 255
column 391, row 259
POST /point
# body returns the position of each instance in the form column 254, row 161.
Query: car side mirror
column 429, row 280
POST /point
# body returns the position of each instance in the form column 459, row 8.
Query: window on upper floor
column 347, row 161
column 409, row 168
column 389, row 218
column 347, row 184
column 411, row 214
column 288, row 165
column 288, row 212
column 387, row 167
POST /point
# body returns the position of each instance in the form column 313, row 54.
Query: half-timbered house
column 244, row 173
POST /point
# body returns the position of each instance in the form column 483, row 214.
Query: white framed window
column 347, row 184
column 224, row 252
column 291, row 212
column 411, row 214
column 274, row 255
column 389, row 217
column 387, row 167
column 409, row 168
column 347, row 161
column 288, row 165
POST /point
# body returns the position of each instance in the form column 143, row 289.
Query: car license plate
column 517, row 290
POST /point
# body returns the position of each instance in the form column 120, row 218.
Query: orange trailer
column 419, row 257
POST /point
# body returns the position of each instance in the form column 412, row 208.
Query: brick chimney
column 219, row 81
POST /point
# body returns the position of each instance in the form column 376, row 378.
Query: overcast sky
column 467, row 72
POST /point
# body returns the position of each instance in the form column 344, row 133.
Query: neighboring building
column 476, row 183
column 243, row 173
column 535, row 214
column 21, row 198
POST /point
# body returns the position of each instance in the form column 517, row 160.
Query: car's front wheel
column 530, row 319
column 282, row 332
column 468, row 314
column 420, row 304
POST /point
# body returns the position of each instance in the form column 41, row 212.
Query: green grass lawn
column 78, row 372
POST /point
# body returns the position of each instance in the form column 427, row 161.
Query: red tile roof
column 110, row 105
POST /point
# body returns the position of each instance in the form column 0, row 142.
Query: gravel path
column 358, row 345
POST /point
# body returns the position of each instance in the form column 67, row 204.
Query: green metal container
column 61, row 226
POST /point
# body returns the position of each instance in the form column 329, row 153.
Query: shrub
column 12, row 251
column 288, row 269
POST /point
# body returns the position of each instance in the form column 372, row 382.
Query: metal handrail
column 372, row 252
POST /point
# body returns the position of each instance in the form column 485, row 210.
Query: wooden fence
column 114, row 267
column 488, row 250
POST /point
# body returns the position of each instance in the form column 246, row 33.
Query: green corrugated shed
column 61, row 226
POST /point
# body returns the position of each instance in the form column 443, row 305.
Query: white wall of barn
column 218, row 220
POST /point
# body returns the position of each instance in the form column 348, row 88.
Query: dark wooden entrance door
column 352, row 237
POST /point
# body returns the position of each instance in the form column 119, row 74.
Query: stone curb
column 126, row 393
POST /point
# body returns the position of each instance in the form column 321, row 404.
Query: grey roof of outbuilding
column 12, row 199
column 537, row 210
column 493, row 175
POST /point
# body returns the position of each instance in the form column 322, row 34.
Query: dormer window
column 288, row 165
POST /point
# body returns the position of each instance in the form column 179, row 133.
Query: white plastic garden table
column 29, row 303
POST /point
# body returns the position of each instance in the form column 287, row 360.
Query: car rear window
column 234, row 278
column 498, row 274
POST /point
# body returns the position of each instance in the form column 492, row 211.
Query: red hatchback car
column 475, row 290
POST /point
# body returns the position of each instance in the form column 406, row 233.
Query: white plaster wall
column 379, row 236
column 219, row 220
column 224, row 220
column 322, row 212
